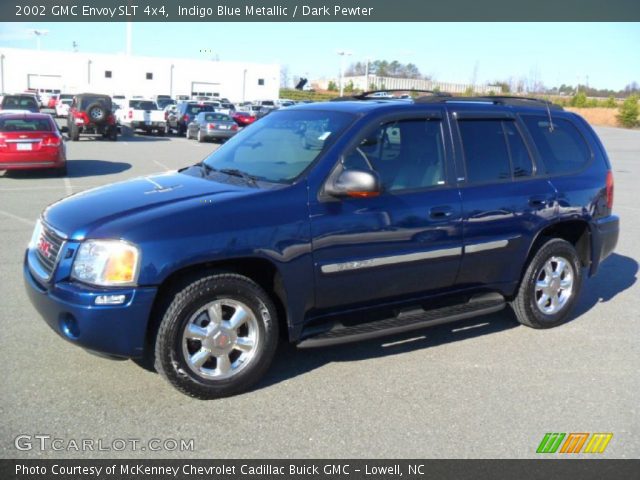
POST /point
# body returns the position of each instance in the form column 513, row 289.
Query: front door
column 403, row 243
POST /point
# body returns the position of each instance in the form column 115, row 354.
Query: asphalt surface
column 485, row 388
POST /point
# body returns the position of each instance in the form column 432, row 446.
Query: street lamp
column 38, row 34
column 342, row 54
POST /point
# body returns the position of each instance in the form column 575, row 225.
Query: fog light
column 69, row 326
column 110, row 299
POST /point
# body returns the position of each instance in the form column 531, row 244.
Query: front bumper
column 69, row 309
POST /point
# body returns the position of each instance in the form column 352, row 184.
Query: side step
column 406, row 321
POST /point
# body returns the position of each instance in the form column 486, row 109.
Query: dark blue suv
column 328, row 223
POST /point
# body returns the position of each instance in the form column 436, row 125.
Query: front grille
column 55, row 242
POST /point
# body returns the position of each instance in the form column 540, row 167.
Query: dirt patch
column 602, row 117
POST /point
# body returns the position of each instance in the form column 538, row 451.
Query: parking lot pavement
column 481, row 388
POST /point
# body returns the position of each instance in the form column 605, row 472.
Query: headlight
column 106, row 263
column 35, row 237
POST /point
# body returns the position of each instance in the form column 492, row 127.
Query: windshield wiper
column 239, row 173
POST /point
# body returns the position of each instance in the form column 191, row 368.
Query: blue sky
column 554, row 52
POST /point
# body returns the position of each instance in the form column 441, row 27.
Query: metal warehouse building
column 121, row 74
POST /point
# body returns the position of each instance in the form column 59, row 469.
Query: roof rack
column 367, row 95
column 494, row 99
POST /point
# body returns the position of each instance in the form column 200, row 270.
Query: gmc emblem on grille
column 44, row 247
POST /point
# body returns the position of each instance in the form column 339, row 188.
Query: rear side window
column 493, row 150
column 25, row 125
column 562, row 148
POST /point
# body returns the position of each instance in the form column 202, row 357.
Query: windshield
column 143, row 105
column 280, row 146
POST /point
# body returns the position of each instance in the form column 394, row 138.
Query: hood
column 79, row 214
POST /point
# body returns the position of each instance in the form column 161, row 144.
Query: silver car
column 211, row 125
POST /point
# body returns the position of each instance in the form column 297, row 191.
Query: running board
column 405, row 321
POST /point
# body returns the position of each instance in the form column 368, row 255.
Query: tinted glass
column 520, row 159
column 18, row 102
column 25, row 125
column 407, row 154
column 282, row 145
column 562, row 148
column 215, row 117
column 143, row 105
column 485, row 150
column 195, row 109
column 86, row 101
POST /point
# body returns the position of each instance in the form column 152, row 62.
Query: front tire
column 550, row 286
column 217, row 337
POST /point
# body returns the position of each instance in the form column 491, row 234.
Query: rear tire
column 74, row 133
column 217, row 337
column 550, row 286
column 200, row 138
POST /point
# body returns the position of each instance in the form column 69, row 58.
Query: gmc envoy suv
column 328, row 223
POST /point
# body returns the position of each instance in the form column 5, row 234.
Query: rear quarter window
column 562, row 147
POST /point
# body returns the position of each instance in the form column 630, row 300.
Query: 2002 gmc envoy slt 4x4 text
column 328, row 223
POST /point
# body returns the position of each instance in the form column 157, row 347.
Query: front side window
column 561, row 146
column 281, row 145
column 406, row 154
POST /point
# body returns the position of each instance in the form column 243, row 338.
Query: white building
column 120, row 74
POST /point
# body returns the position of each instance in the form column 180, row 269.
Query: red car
column 31, row 141
column 244, row 118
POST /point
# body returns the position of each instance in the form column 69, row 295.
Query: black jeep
column 92, row 113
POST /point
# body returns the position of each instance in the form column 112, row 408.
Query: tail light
column 234, row 127
column 211, row 125
column 609, row 186
column 50, row 141
column 130, row 114
column 111, row 119
column 3, row 143
column 185, row 118
column 166, row 115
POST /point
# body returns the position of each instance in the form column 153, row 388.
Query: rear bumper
column 605, row 232
column 220, row 133
column 69, row 309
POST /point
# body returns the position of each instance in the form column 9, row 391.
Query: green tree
column 628, row 116
column 332, row 87
column 468, row 91
column 349, row 87
column 579, row 100
column 610, row 102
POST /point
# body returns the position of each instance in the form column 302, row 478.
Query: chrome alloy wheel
column 554, row 285
column 220, row 339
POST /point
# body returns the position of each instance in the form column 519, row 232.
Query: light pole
column 38, row 34
column 244, row 84
column 342, row 54
column 366, row 74
column 171, row 81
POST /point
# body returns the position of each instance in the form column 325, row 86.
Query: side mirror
column 355, row 184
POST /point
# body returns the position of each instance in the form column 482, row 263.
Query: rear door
column 504, row 200
column 407, row 241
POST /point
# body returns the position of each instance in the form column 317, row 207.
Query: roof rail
column 494, row 99
column 367, row 95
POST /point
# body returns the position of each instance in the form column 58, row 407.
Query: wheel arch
column 262, row 271
column 575, row 231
